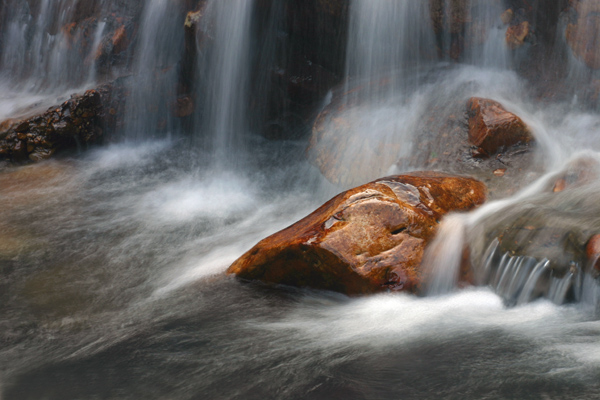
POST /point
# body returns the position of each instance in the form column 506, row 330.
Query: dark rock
column 367, row 239
column 309, row 39
column 184, row 106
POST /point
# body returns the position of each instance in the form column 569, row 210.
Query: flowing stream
column 112, row 262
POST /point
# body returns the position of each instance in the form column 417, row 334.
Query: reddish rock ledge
column 365, row 240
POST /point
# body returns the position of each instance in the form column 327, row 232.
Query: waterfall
column 43, row 49
column 386, row 38
column 224, row 73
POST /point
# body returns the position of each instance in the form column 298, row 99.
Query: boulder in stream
column 365, row 240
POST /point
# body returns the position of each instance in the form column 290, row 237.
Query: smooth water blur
column 156, row 72
column 385, row 36
column 225, row 77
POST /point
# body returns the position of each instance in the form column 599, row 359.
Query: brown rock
column 491, row 127
column 79, row 121
column 507, row 16
column 500, row 171
column 516, row 34
column 367, row 239
column 184, row 106
column 120, row 41
column 592, row 250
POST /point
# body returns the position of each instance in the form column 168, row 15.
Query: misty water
column 113, row 260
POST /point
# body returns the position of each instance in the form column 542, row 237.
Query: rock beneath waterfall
column 493, row 128
column 582, row 35
column 365, row 240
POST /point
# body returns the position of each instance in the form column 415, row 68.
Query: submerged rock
column 492, row 127
column 367, row 239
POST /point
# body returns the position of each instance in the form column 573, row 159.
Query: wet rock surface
column 492, row 128
column 367, row 239
column 84, row 120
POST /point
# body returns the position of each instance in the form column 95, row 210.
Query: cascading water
column 37, row 50
column 156, row 72
column 43, row 57
column 385, row 39
column 224, row 74
column 111, row 262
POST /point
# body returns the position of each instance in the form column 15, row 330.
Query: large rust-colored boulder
column 492, row 127
column 365, row 240
column 583, row 35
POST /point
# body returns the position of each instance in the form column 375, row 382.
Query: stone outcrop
column 367, row 239
column 83, row 120
column 493, row 128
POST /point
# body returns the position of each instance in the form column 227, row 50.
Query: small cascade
column 521, row 279
column 514, row 278
column 224, row 76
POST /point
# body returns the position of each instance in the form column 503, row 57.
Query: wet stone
column 365, row 240
column 493, row 128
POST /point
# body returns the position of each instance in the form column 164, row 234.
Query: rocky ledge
column 82, row 121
